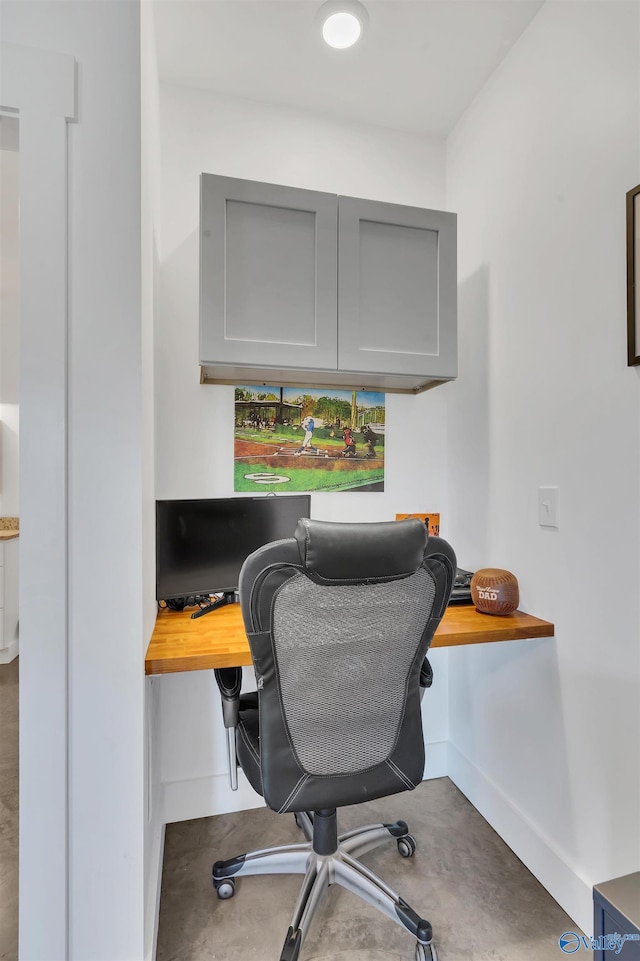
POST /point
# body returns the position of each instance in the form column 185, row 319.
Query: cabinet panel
column 399, row 275
column 268, row 274
column 397, row 289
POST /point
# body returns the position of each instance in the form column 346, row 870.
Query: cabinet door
column 397, row 285
column 268, row 262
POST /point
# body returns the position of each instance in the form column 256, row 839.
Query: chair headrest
column 350, row 553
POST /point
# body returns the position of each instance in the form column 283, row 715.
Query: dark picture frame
column 633, row 276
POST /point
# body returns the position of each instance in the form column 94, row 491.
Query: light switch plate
column 548, row 506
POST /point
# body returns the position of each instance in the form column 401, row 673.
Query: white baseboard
column 537, row 852
column 152, row 892
column 203, row 796
column 7, row 654
column 436, row 763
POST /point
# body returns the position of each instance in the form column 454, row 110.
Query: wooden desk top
column 9, row 528
column 179, row 643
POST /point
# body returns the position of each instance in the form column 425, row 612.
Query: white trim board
column 436, row 760
column 152, row 893
column 8, row 653
column 199, row 797
column 40, row 87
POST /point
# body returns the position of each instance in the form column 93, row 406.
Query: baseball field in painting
column 305, row 439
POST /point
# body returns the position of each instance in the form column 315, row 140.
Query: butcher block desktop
column 180, row 643
column 9, row 528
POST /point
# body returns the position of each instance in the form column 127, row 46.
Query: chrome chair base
column 322, row 870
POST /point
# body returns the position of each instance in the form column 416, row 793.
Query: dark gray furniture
column 616, row 916
column 339, row 620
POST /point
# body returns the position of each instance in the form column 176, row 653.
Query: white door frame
column 39, row 86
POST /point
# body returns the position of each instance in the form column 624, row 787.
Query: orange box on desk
column 431, row 520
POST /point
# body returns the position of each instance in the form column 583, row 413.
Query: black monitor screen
column 202, row 544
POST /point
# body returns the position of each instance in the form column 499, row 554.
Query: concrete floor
column 483, row 903
column 9, row 811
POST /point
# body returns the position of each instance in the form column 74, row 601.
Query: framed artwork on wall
column 633, row 276
column 291, row 439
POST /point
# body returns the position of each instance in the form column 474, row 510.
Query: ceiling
column 419, row 65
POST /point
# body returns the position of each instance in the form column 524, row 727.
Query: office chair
column 339, row 619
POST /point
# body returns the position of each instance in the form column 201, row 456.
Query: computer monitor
column 202, row 544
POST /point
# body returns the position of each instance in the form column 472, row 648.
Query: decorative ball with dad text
column 495, row 591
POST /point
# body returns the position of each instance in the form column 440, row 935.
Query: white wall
column 204, row 132
column 106, row 552
column 545, row 735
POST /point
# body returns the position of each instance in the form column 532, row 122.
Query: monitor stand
column 229, row 597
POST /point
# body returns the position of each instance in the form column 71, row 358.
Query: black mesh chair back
column 339, row 620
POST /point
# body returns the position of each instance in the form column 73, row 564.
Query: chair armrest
column 426, row 676
column 229, row 681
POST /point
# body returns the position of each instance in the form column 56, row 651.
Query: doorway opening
column 9, row 524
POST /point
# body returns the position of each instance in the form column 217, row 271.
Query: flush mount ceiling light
column 343, row 22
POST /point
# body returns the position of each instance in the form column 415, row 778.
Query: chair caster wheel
column 407, row 846
column 225, row 888
column 426, row 952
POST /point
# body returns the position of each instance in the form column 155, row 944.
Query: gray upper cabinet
column 268, row 274
column 397, row 289
column 303, row 287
